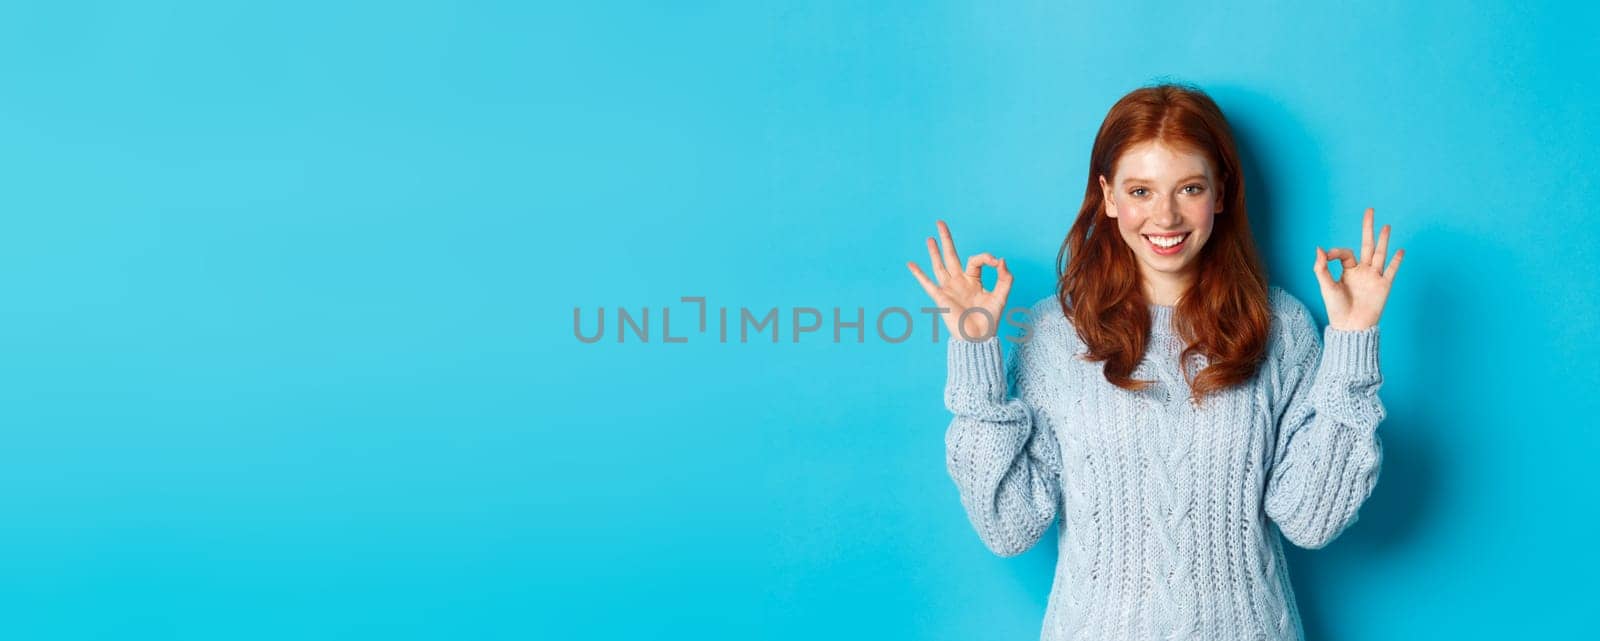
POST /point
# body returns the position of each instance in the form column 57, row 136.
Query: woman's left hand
column 1355, row 301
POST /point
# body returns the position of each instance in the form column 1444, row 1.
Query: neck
column 1167, row 289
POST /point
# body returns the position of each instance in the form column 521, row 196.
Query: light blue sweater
column 1165, row 508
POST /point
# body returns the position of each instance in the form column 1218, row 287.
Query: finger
column 927, row 285
column 951, row 258
column 1366, row 236
column 1344, row 255
column 1320, row 268
column 1394, row 265
column 938, row 263
column 976, row 262
column 1002, row 284
column 1380, row 255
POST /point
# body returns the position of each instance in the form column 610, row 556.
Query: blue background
column 288, row 348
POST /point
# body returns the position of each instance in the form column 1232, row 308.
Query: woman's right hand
column 959, row 290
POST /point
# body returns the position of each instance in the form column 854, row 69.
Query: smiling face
column 1170, row 195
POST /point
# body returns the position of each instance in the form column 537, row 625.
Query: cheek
column 1132, row 214
column 1205, row 224
column 1130, row 221
column 1199, row 214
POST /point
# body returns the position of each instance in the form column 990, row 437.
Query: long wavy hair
column 1225, row 315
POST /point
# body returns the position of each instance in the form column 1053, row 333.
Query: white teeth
column 1167, row 241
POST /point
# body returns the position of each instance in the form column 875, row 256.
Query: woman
column 1167, row 402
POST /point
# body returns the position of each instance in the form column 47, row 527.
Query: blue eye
column 1136, row 191
column 1197, row 188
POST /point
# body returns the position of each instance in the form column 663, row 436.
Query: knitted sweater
column 1165, row 507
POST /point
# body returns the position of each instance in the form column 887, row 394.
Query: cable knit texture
column 1171, row 514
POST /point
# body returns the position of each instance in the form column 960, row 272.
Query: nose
column 1172, row 215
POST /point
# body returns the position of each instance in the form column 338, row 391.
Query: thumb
column 1320, row 267
column 1002, row 284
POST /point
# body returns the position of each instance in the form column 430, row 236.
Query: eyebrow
column 1147, row 180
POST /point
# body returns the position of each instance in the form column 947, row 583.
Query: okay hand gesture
column 960, row 289
column 1355, row 301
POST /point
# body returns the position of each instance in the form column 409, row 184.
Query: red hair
column 1226, row 313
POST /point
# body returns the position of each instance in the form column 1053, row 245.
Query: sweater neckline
column 1161, row 319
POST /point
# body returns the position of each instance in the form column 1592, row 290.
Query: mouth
column 1167, row 245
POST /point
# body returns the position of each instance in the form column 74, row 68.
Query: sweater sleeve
column 1327, row 453
column 1001, row 453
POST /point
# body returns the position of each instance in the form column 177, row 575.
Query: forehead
column 1156, row 160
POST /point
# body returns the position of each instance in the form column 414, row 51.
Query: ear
column 1105, row 196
